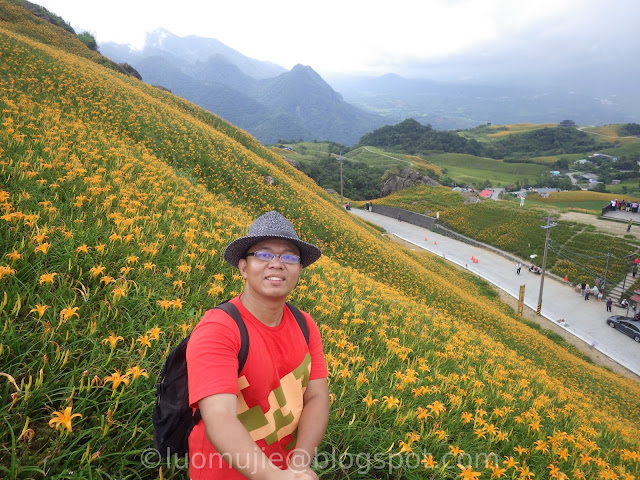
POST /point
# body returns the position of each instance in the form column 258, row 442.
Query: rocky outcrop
column 294, row 163
column 405, row 178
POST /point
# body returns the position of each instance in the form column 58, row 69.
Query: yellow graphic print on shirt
column 285, row 406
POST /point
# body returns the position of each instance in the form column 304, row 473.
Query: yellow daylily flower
column 97, row 270
column 136, row 372
column 40, row 309
column 154, row 333
column 13, row 256
column 47, row 278
column 44, row 248
column 68, row 312
column 63, row 419
column 112, row 340
column 116, row 378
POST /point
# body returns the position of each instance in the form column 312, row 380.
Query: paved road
column 560, row 303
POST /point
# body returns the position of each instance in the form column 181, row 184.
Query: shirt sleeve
column 212, row 357
column 318, row 363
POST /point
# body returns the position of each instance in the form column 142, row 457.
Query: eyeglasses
column 268, row 257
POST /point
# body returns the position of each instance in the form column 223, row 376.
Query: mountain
column 458, row 105
column 262, row 98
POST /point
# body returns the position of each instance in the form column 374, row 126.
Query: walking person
column 609, row 303
column 518, row 267
column 266, row 420
column 587, row 292
column 634, row 270
column 629, row 223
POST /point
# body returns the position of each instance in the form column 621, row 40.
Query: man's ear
column 242, row 266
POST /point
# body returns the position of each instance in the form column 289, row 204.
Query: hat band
column 276, row 233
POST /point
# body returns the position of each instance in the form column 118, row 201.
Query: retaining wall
column 423, row 221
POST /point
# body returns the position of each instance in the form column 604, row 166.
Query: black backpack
column 173, row 418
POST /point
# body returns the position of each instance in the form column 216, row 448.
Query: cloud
column 470, row 37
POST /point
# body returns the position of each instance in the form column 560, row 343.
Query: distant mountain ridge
column 260, row 97
column 462, row 105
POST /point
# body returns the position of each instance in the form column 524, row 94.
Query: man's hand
column 299, row 474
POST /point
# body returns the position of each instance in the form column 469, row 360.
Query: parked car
column 626, row 325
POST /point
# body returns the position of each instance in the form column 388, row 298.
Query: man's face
column 272, row 279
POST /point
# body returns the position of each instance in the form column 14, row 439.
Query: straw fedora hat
column 270, row 225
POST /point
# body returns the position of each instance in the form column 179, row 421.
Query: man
column 267, row 420
column 518, row 267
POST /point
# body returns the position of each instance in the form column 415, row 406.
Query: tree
column 629, row 129
column 89, row 40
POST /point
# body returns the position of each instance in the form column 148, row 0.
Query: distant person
column 629, row 225
column 518, row 267
column 587, row 292
column 634, row 270
column 609, row 303
column 366, row 206
column 583, row 286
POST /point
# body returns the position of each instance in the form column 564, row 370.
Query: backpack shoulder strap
column 302, row 323
column 231, row 310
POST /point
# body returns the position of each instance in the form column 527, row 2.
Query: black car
column 626, row 325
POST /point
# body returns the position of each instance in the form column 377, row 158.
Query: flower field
column 577, row 253
column 423, row 198
column 116, row 202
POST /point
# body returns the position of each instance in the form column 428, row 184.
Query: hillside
column 410, row 136
column 117, row 200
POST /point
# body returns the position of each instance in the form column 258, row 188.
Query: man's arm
column 312, row 425
column 233, row 442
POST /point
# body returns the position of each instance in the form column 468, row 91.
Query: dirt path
column 389, row 156
column 606, row 226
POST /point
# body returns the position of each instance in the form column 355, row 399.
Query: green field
column 468, row 169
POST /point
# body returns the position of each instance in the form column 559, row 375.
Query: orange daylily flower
column 63, row 419
column 116, row 378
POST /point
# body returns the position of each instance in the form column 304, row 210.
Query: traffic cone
column 435, row 243
column 566, row 278
column 426, row 239
column 473, row 260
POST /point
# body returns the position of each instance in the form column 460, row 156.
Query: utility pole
column 548, row 228
column 606, row 273
column 341, row 186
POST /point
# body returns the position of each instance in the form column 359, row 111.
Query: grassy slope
column 150, row 185
column 470, row 169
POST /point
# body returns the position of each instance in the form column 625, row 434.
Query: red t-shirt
column 270, row 387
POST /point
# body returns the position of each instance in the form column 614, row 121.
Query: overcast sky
column 375, row 37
